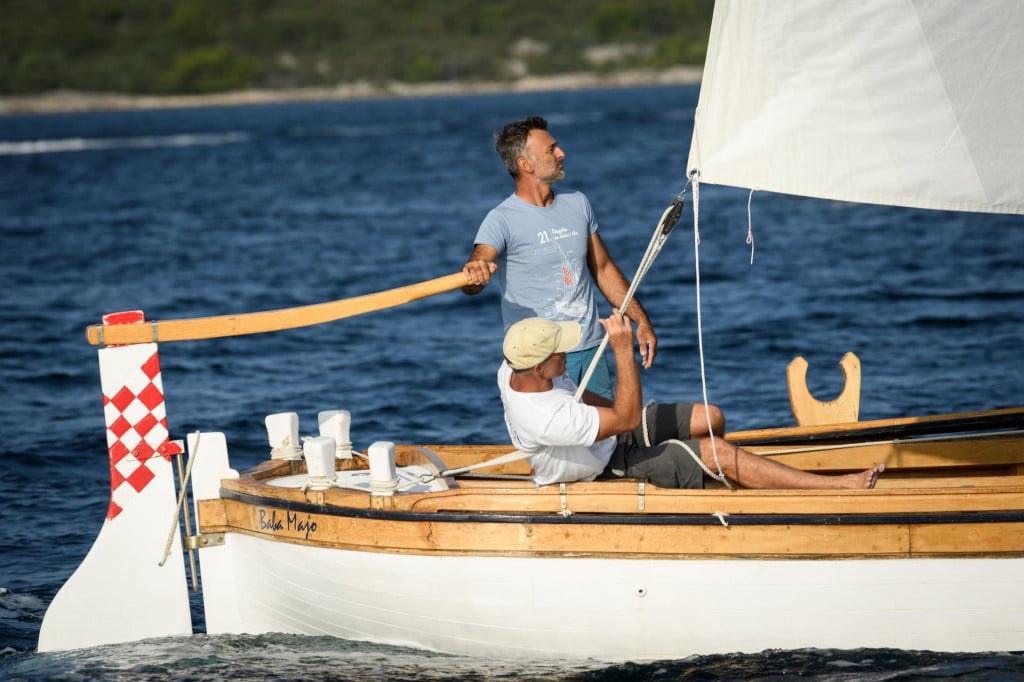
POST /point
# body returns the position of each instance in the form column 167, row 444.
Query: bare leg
column 754, row 471
column 699, row 421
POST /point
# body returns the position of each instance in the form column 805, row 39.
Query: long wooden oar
column 903, row 427
column 269, row 320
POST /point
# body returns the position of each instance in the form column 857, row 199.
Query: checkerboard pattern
column 136, row 431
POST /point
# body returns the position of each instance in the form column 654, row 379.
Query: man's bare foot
column 870, row 477
column 861, row 480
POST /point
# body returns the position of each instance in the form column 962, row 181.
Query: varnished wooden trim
column 635, row 519
column 654, row 519
column 467, row 535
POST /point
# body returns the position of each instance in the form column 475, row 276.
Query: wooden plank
column 910, row 481
column 455, row 456
column 966, row 538
column 212, row 516
column 626, row 541
column 625, row 500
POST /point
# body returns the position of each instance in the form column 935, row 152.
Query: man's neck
column 529, row 383
column 536, row 193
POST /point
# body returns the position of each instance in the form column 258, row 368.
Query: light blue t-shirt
column 542, row 261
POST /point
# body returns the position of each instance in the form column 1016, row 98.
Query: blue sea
column 208, row 211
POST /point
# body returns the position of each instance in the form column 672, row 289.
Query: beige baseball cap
column 531, row 341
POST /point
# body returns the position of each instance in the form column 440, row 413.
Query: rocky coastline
column 71, row 101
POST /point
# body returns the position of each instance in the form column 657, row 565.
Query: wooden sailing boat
column 398, row 546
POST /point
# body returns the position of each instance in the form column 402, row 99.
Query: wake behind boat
column 444, row 547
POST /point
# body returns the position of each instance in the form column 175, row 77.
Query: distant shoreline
column 70, row 102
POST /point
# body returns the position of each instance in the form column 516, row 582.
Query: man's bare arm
column 479, row 268
column 614, row 286
column 624, row 414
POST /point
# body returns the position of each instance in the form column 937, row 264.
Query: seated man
column 598, row 438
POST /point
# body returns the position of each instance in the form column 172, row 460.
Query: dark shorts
column 666, row 465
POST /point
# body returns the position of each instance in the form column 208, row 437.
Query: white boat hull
column 616, row 608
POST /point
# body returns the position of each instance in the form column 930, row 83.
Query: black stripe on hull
column 915, row 518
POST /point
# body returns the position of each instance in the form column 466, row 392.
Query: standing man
column 547, row 254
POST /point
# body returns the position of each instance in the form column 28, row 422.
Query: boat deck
column 939, row 497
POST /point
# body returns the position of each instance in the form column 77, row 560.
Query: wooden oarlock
column 810, row 411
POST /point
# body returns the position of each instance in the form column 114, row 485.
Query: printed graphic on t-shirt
column 566, row 304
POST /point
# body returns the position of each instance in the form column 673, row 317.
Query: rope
column 720, row 477
column 695, row 179
column 321, row 483
column 750, row 227
column 643, row 423
column 668, row 220
column 286, row 452
column 181, row 500
column 501, row 459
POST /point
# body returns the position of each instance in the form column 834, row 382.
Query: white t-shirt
column 558, row 428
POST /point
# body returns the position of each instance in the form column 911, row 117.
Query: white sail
column 900, row 102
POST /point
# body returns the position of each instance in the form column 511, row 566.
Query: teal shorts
column 578, row 362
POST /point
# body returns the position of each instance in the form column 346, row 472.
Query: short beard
column 554, row 177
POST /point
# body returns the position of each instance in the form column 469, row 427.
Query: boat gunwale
column 637, row 518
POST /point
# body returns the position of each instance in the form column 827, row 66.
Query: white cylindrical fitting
column 319, row 454
column 383, row 478
column 283, row 435
column 336, row 424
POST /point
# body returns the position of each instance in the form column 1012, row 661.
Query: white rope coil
column 286, row 452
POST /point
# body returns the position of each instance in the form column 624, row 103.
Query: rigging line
column 750, row 226
column 668, row 220
column 193, row 452
column 695, row 178
column 494, row 461
column 686, row 448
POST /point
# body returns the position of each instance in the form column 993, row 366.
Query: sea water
column 209, row 211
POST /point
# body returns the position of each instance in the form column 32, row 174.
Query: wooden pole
column 902, row 427
column 270, row 320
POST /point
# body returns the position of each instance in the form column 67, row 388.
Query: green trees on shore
column 206, row 46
